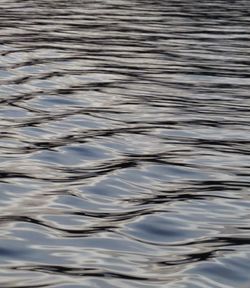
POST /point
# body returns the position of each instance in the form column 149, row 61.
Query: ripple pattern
column 124, row 148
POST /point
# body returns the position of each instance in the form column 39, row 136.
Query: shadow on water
column 124, row 143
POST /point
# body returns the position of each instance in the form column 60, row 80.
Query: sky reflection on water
column 124, row 144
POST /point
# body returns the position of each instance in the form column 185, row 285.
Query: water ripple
column 124, row 144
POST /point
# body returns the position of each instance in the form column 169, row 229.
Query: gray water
column 124, row 144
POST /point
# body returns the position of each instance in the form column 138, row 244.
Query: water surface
column 124, row 144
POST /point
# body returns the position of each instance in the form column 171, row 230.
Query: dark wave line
column 66, row 232
column 84, row 272
column 194, row 257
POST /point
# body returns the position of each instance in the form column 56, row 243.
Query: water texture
column 124, row 148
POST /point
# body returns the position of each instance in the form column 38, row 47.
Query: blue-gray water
column 125, row 143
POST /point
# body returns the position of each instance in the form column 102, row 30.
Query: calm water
column 125, row 140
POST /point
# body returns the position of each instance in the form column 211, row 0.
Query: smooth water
column 125, row 144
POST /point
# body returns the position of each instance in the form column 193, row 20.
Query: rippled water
column 124, row 143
